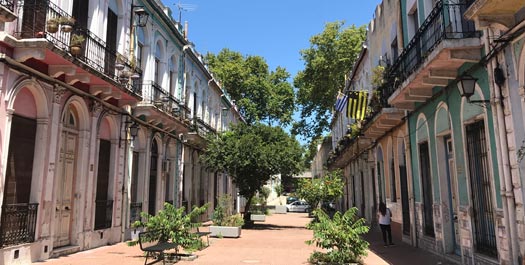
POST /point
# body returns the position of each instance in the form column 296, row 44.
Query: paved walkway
column 279, row 240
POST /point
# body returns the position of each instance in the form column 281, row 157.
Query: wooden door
column 64, row 189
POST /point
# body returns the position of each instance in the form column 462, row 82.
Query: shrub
column 340, row 236
column 172, row 224
column 223, row 213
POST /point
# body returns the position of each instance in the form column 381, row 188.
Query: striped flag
column 340, row 103
column 357, row 104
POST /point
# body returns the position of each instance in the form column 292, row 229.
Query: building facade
column 446, row 160
column 104, row 116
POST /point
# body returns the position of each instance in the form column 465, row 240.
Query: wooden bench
column 151, row 243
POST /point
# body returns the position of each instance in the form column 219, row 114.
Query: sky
column 274, row 29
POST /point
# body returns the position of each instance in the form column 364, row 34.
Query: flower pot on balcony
column 75, row 45
column 75, row 50
column 52, row 25
column 119, row 66
column 67, row 23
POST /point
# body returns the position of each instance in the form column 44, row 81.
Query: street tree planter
column 258, row 217
column 225, row 231
column 281, row 209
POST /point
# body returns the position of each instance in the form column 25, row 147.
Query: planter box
column 225, row 231
column 258, row 217
column 280, row 208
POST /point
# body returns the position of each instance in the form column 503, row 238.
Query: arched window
column 141, row 40
column 173, row 75
column 158, row 56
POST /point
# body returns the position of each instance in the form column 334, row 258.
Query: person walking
column 385, row 216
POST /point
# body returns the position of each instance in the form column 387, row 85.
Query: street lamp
column 466, row 87
column 133, row 130
column 142, row 15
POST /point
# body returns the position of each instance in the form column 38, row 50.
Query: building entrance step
column 62, row 251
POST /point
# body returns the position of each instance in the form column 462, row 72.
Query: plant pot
column 225, row 231
column 52, row 27
column 280, row 209
column 258, row 217
column 119, row 66
column 66, row 28
column 75, row 50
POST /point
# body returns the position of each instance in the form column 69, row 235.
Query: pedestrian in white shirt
column 385, row 216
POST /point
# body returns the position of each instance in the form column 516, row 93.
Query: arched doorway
column 65, row 176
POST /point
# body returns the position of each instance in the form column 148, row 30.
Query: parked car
column 291, row 199
column 298, row 206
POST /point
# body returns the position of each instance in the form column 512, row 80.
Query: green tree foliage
column 261, row 94
column 325, row 189
column 340, row 236
column 252, row 155
column 174, row 225
column 223, row 213
column 331, row 55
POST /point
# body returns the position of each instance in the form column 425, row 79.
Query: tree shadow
column 262, row 226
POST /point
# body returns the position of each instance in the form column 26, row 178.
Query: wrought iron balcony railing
column 103, row 214
column 9, row 4
column 445, row 21
column 94, row 51
column 18, row 223
column 201, row 127
column 154, row 94
column 135, row 208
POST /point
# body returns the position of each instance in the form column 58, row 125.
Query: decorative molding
column 58, row 92
column 96, row 108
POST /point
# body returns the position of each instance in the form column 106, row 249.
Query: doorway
column 452, row 194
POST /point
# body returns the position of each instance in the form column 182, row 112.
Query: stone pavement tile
column 279, row 240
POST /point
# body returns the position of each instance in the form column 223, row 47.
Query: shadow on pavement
column 401, row 253
column 262, row 226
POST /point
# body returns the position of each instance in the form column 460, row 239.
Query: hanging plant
column 75, row 45
column 52, row 25
column 67, row 23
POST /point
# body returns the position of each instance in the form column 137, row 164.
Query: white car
column 298, row 206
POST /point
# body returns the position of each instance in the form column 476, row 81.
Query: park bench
column 152, row 243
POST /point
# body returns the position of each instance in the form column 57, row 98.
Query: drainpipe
column 509, row 209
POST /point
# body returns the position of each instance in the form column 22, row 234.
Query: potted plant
column 52, row 25
column 120, row 62
column 174, row 225
column 226, row 224
column 67, row 23
column 259, row 205
column 340, row 237
column 75, row 44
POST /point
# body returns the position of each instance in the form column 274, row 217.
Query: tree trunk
column 247, row 209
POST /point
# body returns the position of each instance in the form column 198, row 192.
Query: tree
column 331, row 55
column 325, row 189
column 252, row 154
column 261, row 94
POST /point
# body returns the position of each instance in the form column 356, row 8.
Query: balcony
column 486, row 12
column 443, row 43
column 36, row 40
column 18, row 224
column 7, row 8
column 103, row 214
column 160, row 107
column 199, row 130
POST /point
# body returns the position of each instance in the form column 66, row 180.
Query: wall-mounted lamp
column 134, row 130
column 466, row 86
column 142, row 15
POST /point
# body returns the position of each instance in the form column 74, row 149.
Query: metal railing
column 135, row 208
column 95, row 52
column 9, row 4
column 103, row 214
column 201, row 127
column 18, row 223
column 154, row 94
column 445, row 21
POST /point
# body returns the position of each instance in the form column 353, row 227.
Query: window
column 393, row 50
column 426, row 183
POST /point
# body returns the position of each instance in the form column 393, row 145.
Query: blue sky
column 274, row 29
